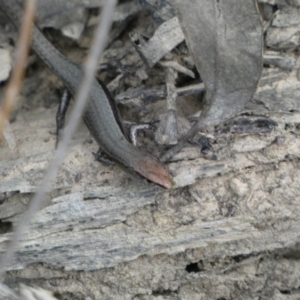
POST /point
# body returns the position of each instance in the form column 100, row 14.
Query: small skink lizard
column 99, row 114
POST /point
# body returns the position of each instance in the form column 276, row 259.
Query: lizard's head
column 152, row 169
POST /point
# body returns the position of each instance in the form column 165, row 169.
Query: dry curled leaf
column 225, row 39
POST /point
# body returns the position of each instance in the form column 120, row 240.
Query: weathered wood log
column 230, row 230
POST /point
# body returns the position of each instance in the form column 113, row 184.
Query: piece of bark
column 157, row 93
column 5, row 62
column 283, row 39
column 163, row 10
column 282, row 61
column 56, row 13
column 167, row 131
column 160, row 43
column 286, row 17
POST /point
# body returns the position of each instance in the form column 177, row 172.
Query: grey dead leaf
column 225, row 40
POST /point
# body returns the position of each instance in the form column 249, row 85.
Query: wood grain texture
column 98, row 217
column 230, row 230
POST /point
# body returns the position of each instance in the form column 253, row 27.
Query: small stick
column 14, row 84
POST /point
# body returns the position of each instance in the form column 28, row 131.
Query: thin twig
column 199, row 125
column 15, row 82
column 81, row 97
